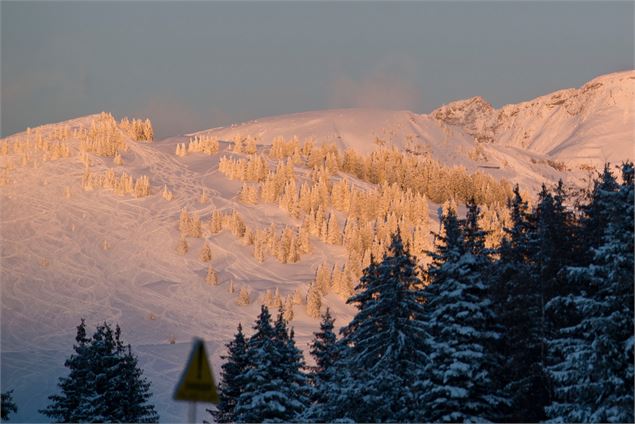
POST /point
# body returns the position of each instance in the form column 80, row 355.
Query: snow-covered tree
column 195, row 226
column 517, row 301
column 184, row 222
column 71, row 404
column 333, row 232
column 385, row 342
column 458, row 382
column 216, row 222
column 591, row 354
column 288, row 308
column 182, row 247
column 212, row 277
column 205, row 254
column 272, row 382
column 243, row 296
column 324, row 350
column 276, row 300
column 230, row 386
column 105, row 383
column 595, row 214
column 313, row 301
column 167, row 194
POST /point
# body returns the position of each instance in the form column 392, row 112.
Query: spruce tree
column 384, row 344
column 76, row 389
column 592, row 355
column 291, row 363
column 550, row 242
column 324, row 351
column 595, row 214
column 7, row 405
column 104, row 385
column 230, row 386
column 517, row 302
column 458, row 382
column 132, row 390
column 266, row 381
column 323, row 376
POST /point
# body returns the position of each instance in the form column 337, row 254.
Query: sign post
column 197, row 381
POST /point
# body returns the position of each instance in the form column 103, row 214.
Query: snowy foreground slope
column 55, row 270
column 67, row 253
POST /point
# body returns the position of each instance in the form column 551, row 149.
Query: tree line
column 540, row 328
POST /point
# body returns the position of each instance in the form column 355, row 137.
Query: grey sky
column 191, row 66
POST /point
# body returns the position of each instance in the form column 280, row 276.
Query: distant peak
column 463, row 111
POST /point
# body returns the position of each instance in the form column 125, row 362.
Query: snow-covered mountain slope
column 70, row 254
column 67, row 253
column 589, row 125
column 528, row 142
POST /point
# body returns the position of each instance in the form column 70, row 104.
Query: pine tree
column 184, row 222
column 288, row 308
column 385, row 342
column 292, row 364
column 230, row 386
column 211, row 278
column 313, row 301
column 7, row 405
column 516, row 296
column 205, row 254
column 132, row 391
column 322, row 376
column 596, row 213
column 70, row 405
column 276, row 301
column 195, row 226
column 457, row 384
column 181, row 247
column 592, row 354
column 551, row 248
column 333, row 232
column 271, row 383
column 243, row 296
column 104, row 385
column 167, row 194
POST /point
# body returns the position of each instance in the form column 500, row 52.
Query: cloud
column 382, row 88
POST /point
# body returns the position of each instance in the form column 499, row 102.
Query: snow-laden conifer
column 385, row 343
column 591, row 354
column 516, row 293
column 205, row 254
column 105, row 383
column 313, row 301
column 272, row 385
column 322, row 376
column 212, row 277
column 457, row 383
column 230, row 385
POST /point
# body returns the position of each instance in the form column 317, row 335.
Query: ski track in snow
column 138, row 277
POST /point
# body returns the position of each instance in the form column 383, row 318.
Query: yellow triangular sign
column 197, row 382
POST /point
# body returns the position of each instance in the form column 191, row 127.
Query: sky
column 195, row 65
